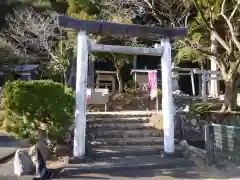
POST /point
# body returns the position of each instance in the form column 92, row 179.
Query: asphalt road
column 143, row 174
column 196, row 173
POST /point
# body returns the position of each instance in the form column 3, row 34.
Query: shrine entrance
column 84, row 45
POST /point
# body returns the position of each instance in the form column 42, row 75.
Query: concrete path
column 199, row 173
column 8, row 146
column 157, row 174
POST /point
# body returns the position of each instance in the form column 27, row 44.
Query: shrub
column 31, row 104
column 2, row 118
column 201, row 109
column 131, row 86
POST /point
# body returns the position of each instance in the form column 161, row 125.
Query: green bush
column 201, row 109
column 131, row 86
column 2, row 118
column 30, row 104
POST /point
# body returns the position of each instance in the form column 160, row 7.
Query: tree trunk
column 118, row 65
column 72, row 76
column 230, row 96
column 214, row 87
column 120, row 82
column 65, row 77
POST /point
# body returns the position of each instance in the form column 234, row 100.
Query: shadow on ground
column 144, row 174
column 8, row 141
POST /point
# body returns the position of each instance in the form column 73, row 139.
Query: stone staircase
column 121, row 135
column 125, row 141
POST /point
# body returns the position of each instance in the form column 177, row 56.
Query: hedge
column 30, row 104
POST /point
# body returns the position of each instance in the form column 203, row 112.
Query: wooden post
column 105, row 107
column 204, row 88
column 91, row 73
column 167, row 98
column 209, row 144
column 81, row 90
column 199, row 85
column 193, row 84
column 135, row 67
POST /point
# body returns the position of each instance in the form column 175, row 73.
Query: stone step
column 119, row 114
column 119, row 151
column 118, row 120
column 127, row 162
column 109, row 151
column 127, row 133
column 128, row 141
column 120, row 126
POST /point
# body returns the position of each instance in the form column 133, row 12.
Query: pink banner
column 89, row 94
column 152, row 82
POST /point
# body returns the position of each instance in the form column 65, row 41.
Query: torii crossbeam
column 121, row 30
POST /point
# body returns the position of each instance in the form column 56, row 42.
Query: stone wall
column 140, row 101
column 192, row 127
column 189, row 126
column 226, row 118
column 128, row 102
column 181, row 100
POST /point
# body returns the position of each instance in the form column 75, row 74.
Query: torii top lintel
column 121, row 30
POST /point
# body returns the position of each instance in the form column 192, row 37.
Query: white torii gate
column 207, row 75
column 84, row 45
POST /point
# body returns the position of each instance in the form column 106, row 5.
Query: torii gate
column 121, row 30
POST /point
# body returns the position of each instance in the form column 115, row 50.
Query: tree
column 215, row 19
column 99, row 10
column 78, row 10
column 90, row 7
column 9, row 55
column 224, row 27
column 173, row 13
column 119, row 60
column 38, row 33
column 197, row 34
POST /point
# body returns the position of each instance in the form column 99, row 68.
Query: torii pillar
column 167, row 97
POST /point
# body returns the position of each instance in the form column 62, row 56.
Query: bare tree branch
column 211, row 28
column 33, row 30
column 230, row 25
column 219, row 59
column 165, row 12
column 234, row 11
column 39, row 33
